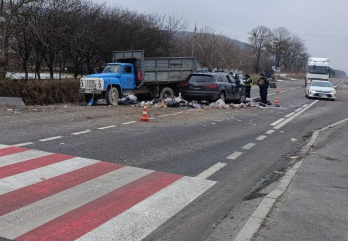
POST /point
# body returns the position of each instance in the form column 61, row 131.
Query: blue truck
column 132, row 73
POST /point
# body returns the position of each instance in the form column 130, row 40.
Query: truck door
column 127, row 78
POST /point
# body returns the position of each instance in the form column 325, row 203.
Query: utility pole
column 193, row 42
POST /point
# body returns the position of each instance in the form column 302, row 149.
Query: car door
column 235, row 90
column 227, row 86
column 127, row 77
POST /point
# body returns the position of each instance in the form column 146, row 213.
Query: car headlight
column 334, row 92
column 311, row 90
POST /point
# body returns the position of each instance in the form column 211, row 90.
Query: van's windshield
column 318, row 70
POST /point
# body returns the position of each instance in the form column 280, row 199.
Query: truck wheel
column 167, row 93
column 112, row 96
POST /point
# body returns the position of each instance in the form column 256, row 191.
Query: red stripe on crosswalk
column 84, row 219
column 22, row 197
column 32, row 164
column 11, row 150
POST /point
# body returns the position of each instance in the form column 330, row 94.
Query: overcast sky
column 322, row 24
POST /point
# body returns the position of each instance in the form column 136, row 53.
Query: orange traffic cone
column 284, row 88
column 144, row 116
column 276, row 102
column 278, row 90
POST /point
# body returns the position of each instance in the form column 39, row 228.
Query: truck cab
column 317, row 69
column 115, row 77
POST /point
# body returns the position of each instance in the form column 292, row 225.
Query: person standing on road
column 248, row 83
column 236, row 77
column 263, row 84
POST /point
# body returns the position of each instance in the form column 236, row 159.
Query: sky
column 322, row 24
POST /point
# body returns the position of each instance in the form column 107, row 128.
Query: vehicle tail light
column 139, row 75
column 210, row 86
column 184, row 84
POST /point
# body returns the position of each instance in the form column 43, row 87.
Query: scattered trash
column 65, row 106
column 17, row 111
column 9, row 109
column 293, row 139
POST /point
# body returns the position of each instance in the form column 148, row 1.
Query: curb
column 252, row 226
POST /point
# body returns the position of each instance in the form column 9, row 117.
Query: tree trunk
column 3, row 59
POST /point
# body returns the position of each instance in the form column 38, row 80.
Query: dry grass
column 42, row 92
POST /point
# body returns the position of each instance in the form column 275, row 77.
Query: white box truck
column 317, row 69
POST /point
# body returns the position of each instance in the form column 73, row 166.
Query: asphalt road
column 190, row 146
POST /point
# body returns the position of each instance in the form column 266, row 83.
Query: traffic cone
column 284, row 88
column 276, row 102
column 144, row 116
column 278, row 91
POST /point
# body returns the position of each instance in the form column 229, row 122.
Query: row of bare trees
column 53, row 33
column 286, row 50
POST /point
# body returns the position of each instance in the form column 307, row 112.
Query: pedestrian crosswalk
column 50, row 196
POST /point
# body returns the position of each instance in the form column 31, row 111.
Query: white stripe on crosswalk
column 63, row 202
column 3, row 146
column 149, row 214
column 21, row 156
column 24, row 179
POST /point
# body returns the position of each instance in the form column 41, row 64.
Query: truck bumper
column 86, row 91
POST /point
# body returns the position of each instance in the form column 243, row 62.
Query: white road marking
column 165, row 115
column 127, row 123
column 277, row 122
column 283, row 91
column 293, row 89
column 140, row 220
column 81, row 132
column 51, row 138
column 298, row 109
column 24, row 144
column 270, row 132
column 305, row 105
column 290, row 114
column 210, row 171
column 272, row 94
column 21, row 156
column 248, row 146
column 218, row 120
column 234, row 155
column 151, row 118
column 106, row 127
column 293, row 117
column 260, row 138
column 299, row 87
column 213, row 123
column 178, row 112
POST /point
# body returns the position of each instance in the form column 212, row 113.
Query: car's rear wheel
column 222, row 96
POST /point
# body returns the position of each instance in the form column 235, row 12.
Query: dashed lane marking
column 24, row 144
column 290, row 114
column 85, row 199
column 305, row 105
column 127, row 123
column 248, row 146
column 234, row 155
column 106, row 127
column 298, row 109
column 293, row 117
column 81, row 132
column 210, row 171
column 51, row 138
column 293, row 89
column 213, row 123
column 260, row 138
column 270, row 132
column 277, row 122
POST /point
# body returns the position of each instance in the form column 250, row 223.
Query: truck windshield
column 318, row 70
column 115, row 68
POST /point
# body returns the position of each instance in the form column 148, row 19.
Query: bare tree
column 279, row 44
column 259, row 38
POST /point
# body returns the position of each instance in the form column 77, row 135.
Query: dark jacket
column 263, row 85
